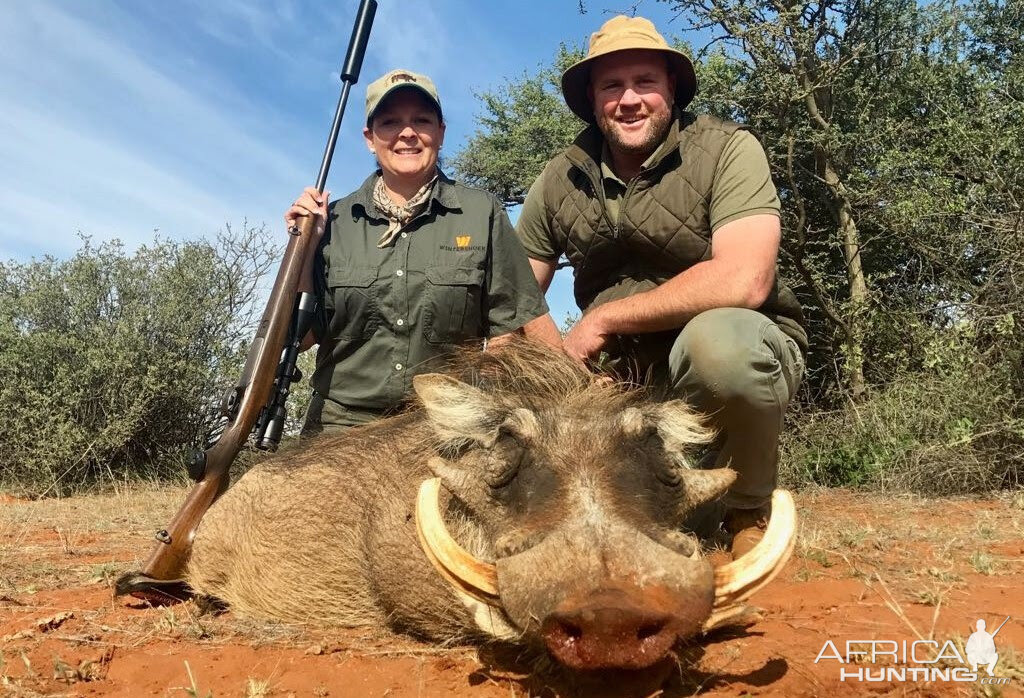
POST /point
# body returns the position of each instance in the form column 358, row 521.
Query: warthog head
column 584, row 501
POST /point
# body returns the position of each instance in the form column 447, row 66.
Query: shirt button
column 405, row 235
column 398, row 367
column 400, row 322
column 399, row 272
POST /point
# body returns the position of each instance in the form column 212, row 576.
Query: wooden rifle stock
column 161, row 575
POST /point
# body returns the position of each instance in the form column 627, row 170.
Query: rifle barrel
column 349, row 76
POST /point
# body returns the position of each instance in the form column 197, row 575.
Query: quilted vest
column 664, row 223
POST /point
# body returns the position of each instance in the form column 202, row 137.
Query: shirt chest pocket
column 356, row 313
column 454, row 297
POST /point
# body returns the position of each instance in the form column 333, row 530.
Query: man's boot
column 746, row 527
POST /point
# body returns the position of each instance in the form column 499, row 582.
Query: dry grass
column 932, row 595
column 258, row 688
column 944, row 575
column 12, row 535
column 934, row 555
column 983, row 563
column 38, row 539
column 192, row 690
column 926, row 547
column 119, row 508
column 85, row 541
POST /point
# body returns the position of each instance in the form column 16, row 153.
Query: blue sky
column 119, row 118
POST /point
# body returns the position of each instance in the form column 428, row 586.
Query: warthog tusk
column 469, row 575
column 738, row 580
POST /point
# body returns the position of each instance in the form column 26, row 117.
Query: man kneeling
column 671, row 223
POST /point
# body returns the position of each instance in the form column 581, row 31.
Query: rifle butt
column 161, row 578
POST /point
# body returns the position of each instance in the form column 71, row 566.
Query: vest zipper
column 598, row 185
column 625, row 199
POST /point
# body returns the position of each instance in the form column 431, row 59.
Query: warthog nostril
column 610, row 636
column 572, row 631
column 650, row 630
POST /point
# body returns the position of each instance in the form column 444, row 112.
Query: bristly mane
column 536, row 375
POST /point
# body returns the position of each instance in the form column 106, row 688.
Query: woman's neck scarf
column 399, row 216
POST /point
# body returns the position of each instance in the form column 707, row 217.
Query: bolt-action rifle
column 256, row 405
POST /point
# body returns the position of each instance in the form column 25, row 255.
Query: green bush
column 112, row 364
column 955, row 426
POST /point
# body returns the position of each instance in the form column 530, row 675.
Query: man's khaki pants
column 739, row 367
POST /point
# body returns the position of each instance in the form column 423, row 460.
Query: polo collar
column 606, row 165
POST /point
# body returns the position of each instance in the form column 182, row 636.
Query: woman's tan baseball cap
column 620, row 34
column 396, row 79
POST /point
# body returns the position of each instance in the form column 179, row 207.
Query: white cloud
column 275, row 27
column 412, row 36
column 95, row 136
column 94, row 185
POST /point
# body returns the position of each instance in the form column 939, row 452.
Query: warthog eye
column 665, row 470
column 668, row 475
column 504, row 461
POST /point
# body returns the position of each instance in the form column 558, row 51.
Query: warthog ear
column 461, row 412
column 679, row 426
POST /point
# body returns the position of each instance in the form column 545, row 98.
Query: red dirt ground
column 866, row 568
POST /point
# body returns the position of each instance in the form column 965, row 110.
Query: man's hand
column 740, row 274
column 587, row 337
column 310, row 202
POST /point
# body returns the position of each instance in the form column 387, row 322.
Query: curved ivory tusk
column 738, row 580
column 469, row 575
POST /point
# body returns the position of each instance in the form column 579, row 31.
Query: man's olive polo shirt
column 456, row 272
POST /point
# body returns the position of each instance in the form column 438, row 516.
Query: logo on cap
column 402, row 77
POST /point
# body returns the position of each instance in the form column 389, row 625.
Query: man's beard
column 657, row 128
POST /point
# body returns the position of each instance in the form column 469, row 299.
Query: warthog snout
column 613, row 629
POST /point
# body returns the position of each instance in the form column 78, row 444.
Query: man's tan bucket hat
column 620, row 34
column 380, row 88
